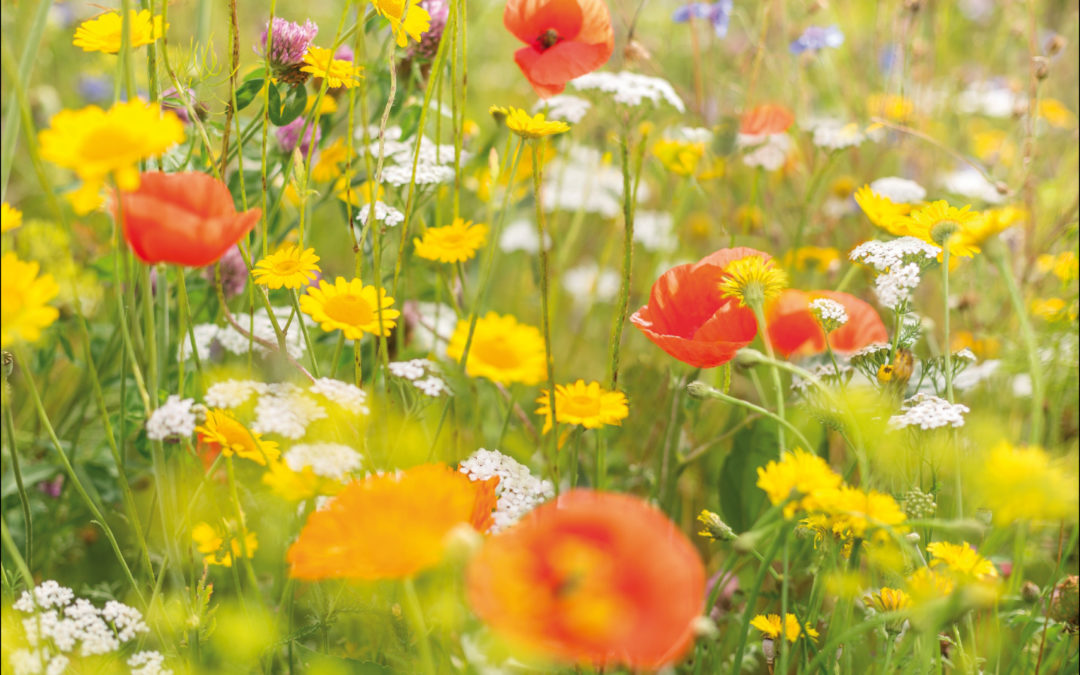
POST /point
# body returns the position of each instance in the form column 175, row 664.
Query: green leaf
column 293, row 107
column 740, row 498
column 246, row 93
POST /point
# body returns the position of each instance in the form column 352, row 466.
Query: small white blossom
column 966, row 354
column 426, row 174
column 893, row 288
column 384, row 214
column 929, row 412
column 584, row 181
column 836, row 135
column 232, row 393
column 885, row 255
column 521, row 235
column 564, row 107
column 348, row 396
column 587, row 283
column 518, row 490
column 173, row 419
column 631, row 89
column 655, row 231
column 769, row 151
column 992, row 99
column 148, row 663
column 422, row 374
column 971, row 184
column 329, row 460
column 287, row 414
column 432, row 386
column 410, row 370
column 263, row 328
column 46, row 595
column 690, row 134
column 205, row 336
column 899, row 190
column 829, row 312
column 127, row 621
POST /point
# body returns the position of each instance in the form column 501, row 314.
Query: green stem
column 26, row 64
column 751, row 602
column 24, row 499
column 947, row 347
column 9, row 544
column 702, row 389
column 623, row 303
column 412, row 602
column 545, row 305
column 759, row 315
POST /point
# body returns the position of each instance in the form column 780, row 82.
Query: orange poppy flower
column 565, row 39
column 182, row 218
column 390, row 526
column 762, row 120
column 570, row 581
column 689, row 317
column 794, row 330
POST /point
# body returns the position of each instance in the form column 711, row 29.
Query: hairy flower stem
column 751, row 601
column 759, row 315
column 947, row 347
column 700, row 389
column 623, row 302
column 545, row 307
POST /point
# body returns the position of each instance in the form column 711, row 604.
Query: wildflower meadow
column 540, row 336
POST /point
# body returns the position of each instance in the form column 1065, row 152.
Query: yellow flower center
column 582, row 405
column 498, row 352
column 349, row 309
column 285, row 267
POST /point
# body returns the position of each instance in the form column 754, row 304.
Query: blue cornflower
column 816, row 38
column 717, row 13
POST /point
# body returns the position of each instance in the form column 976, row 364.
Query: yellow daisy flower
column 24, row 310
column 103, row 34
column 502, row 350
column 361, row 195
column 589, row 405
column 1025, row 484
column 798, row 475
column 961, row 559
column 289, row 266
column 525, row 126
column 456, row 242
column 753, row 280
column 1052, row 309
column 888, row 600
column 98, row 144
column 351, row 307
column 941, row 224
column 337, row 72
column 211, row 543
column 224, row 433
column 679, row 157
column 771, row 627
column 1065, row 266
column 881, row 210
column 407, row 19
column 327, row 167
column 10, row 217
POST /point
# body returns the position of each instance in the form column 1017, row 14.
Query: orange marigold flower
column 570, row 580
column 390, row 526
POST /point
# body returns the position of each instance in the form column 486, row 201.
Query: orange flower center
column 581, row 405
column 349, row 309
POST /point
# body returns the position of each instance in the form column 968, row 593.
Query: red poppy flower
column 182, row 218
column 689, row 318
column 770, row 118
column 565, row 39
column 793, row 329
column 571, row 581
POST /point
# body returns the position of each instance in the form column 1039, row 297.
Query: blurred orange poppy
column 182, row 218
column 565, row 39
column 793, row 330
column 571, row 581
column 689, row 317
column 770, row 118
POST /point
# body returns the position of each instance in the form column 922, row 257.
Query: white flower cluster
column 148, row 663
column 208, row 335
column 521, row 235
column 829, row 312
column 61, row 626
column 631, row 89
column 583, row 181
column 929, row 412
column 769, row 151
column 174, row 418
column 899, row 190
column 518, row 490
column 655, row 231
column 348, row 396
column 232, row 393
column 426, row 174
column 329, row 460
column 384, row 214
column 564, row 107
column 423, row 375
column 993, row 99
column 870, row 350
column 434, row 164
column 893, row 288
column 589, row 282
column 885, row 255
column 836, row 135
column 971, row 184
column 286, row 410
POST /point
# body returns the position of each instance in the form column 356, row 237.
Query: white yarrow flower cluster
column 894, row 288
column 426, row 174
column 885, row 255
column 422, row 374
column 836, row 135
column 769, row 151
column 564, row 107
column 174, row 418
column 208, row 335
column 387, row 215
column 518, row 490
column 929, row 412
column 148, row 663
column 287, row 411
column 329, row 460
column 829, row 312
column 583, row 181
column 344, row 394
column 59, row 625
column 230, row 394
column 631, row 89
column 899, row 190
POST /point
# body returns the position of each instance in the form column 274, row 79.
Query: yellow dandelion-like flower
column 882, row 211
column 589, row 405
column 771, row 626
column 216, row 551
column 351, row 307
column 526, row 126
column 851, row 512
column 753, row 280
column 944, row 225
column 320, row 62
column 888, row 600
column 962, row 560
column 289, row 266
column 97, row 144
column 994, row 221
column 679, row 157
column 928, row 584
column 456, row 242
column 10, row 217
column 1025, row 484
column 327, row 106
column 1053, row 309
column 797, row 476
column 103, row 34
column 25, row 310
column 407, row 19
column 1065, row 266
column 223, row 433
column 327, row 167
column 502, row 350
